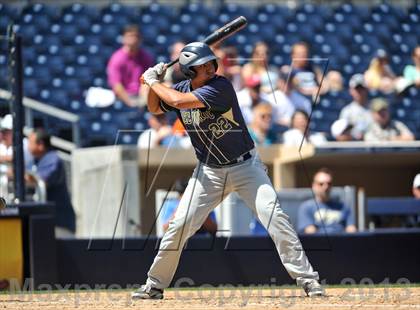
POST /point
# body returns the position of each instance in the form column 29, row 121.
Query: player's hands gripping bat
column 216, row 37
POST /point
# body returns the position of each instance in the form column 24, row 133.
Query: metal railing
column 34, row 105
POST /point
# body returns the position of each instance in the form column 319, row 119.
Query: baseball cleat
column 312, row 288
column 147, row 293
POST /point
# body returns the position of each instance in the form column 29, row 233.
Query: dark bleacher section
column 66, row 50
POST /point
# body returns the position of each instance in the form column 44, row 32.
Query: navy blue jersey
column 218, row 131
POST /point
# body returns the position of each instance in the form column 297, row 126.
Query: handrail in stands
column 31, row 104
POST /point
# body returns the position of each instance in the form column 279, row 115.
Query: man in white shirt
column 357, row 112
column 250, row 96
column 286, row 100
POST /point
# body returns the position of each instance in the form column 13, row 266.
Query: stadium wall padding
column 243, row 260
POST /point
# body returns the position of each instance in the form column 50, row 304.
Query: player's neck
column 198, row 82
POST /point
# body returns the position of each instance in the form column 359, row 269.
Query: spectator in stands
column 306, row 76
column 383, row 127
column 250, row 96
column 258, row 65
column 49, row 167
column 170, row 206
column 324, row 214
column 261, row 130
column 125, row 67
column 6, row 144
column 412, row 72
column 173, row 74
column 416, row 186
column 379, row 75
column 341, row 130
column 229, row 66
column 159, row 133
column 333, row 82
column 180, row 135
column 299, row 131
column 285, row 100
column 357, row 113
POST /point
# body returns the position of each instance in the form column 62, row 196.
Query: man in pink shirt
column 126, row 66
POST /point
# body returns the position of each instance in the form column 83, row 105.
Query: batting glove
column 150, row 76
column 160, row 70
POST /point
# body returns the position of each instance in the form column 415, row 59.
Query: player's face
column 205, row 71
column 322, row 185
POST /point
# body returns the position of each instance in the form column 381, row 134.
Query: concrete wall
column 99, row 177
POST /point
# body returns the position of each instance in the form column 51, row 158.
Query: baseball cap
column 378, row 104
column 339, row 127
column 7, row 122
column 416, row 182
column 357, row 80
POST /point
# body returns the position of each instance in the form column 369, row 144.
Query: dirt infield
column 245, row 298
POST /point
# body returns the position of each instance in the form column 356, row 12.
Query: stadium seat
column 51, row 11
column 82, row 10
column 156, row 9
column 234, row 10
column 119, row 10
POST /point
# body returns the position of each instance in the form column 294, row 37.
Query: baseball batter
column 227, row 161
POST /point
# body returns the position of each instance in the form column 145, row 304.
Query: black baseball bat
column 221, row 33
column 218, row 35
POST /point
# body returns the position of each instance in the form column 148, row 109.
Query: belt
column 236, row 161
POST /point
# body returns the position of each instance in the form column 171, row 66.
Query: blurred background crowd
column 310, row 64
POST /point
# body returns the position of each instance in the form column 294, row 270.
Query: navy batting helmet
column 195, row 54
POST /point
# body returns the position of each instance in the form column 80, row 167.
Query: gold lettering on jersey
column 186, row 117
column 195, row 115
column 206, row 115
column 220, row 127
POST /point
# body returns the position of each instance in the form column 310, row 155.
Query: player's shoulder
column 182, row 85
column 219, row 79
column 219, row 82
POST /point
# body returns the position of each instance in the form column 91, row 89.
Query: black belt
column 238, row 160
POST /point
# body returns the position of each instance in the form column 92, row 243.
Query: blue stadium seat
column 276, row 11
column 163, row 10
column 41, row 23
column 199, row 11
column 30, row 88
column 52, row 11
column 27, row 32
column 119, row 10
column 8, row 10
column 200, row 23
column 82, row 10
column 234, row 10
column 109, row 34
column 29, row 55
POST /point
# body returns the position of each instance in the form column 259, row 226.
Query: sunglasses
column 323, row 183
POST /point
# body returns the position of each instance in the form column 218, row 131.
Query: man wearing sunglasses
column 324, row 214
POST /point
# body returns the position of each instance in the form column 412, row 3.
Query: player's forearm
column 153, row 102
column 175, row 98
